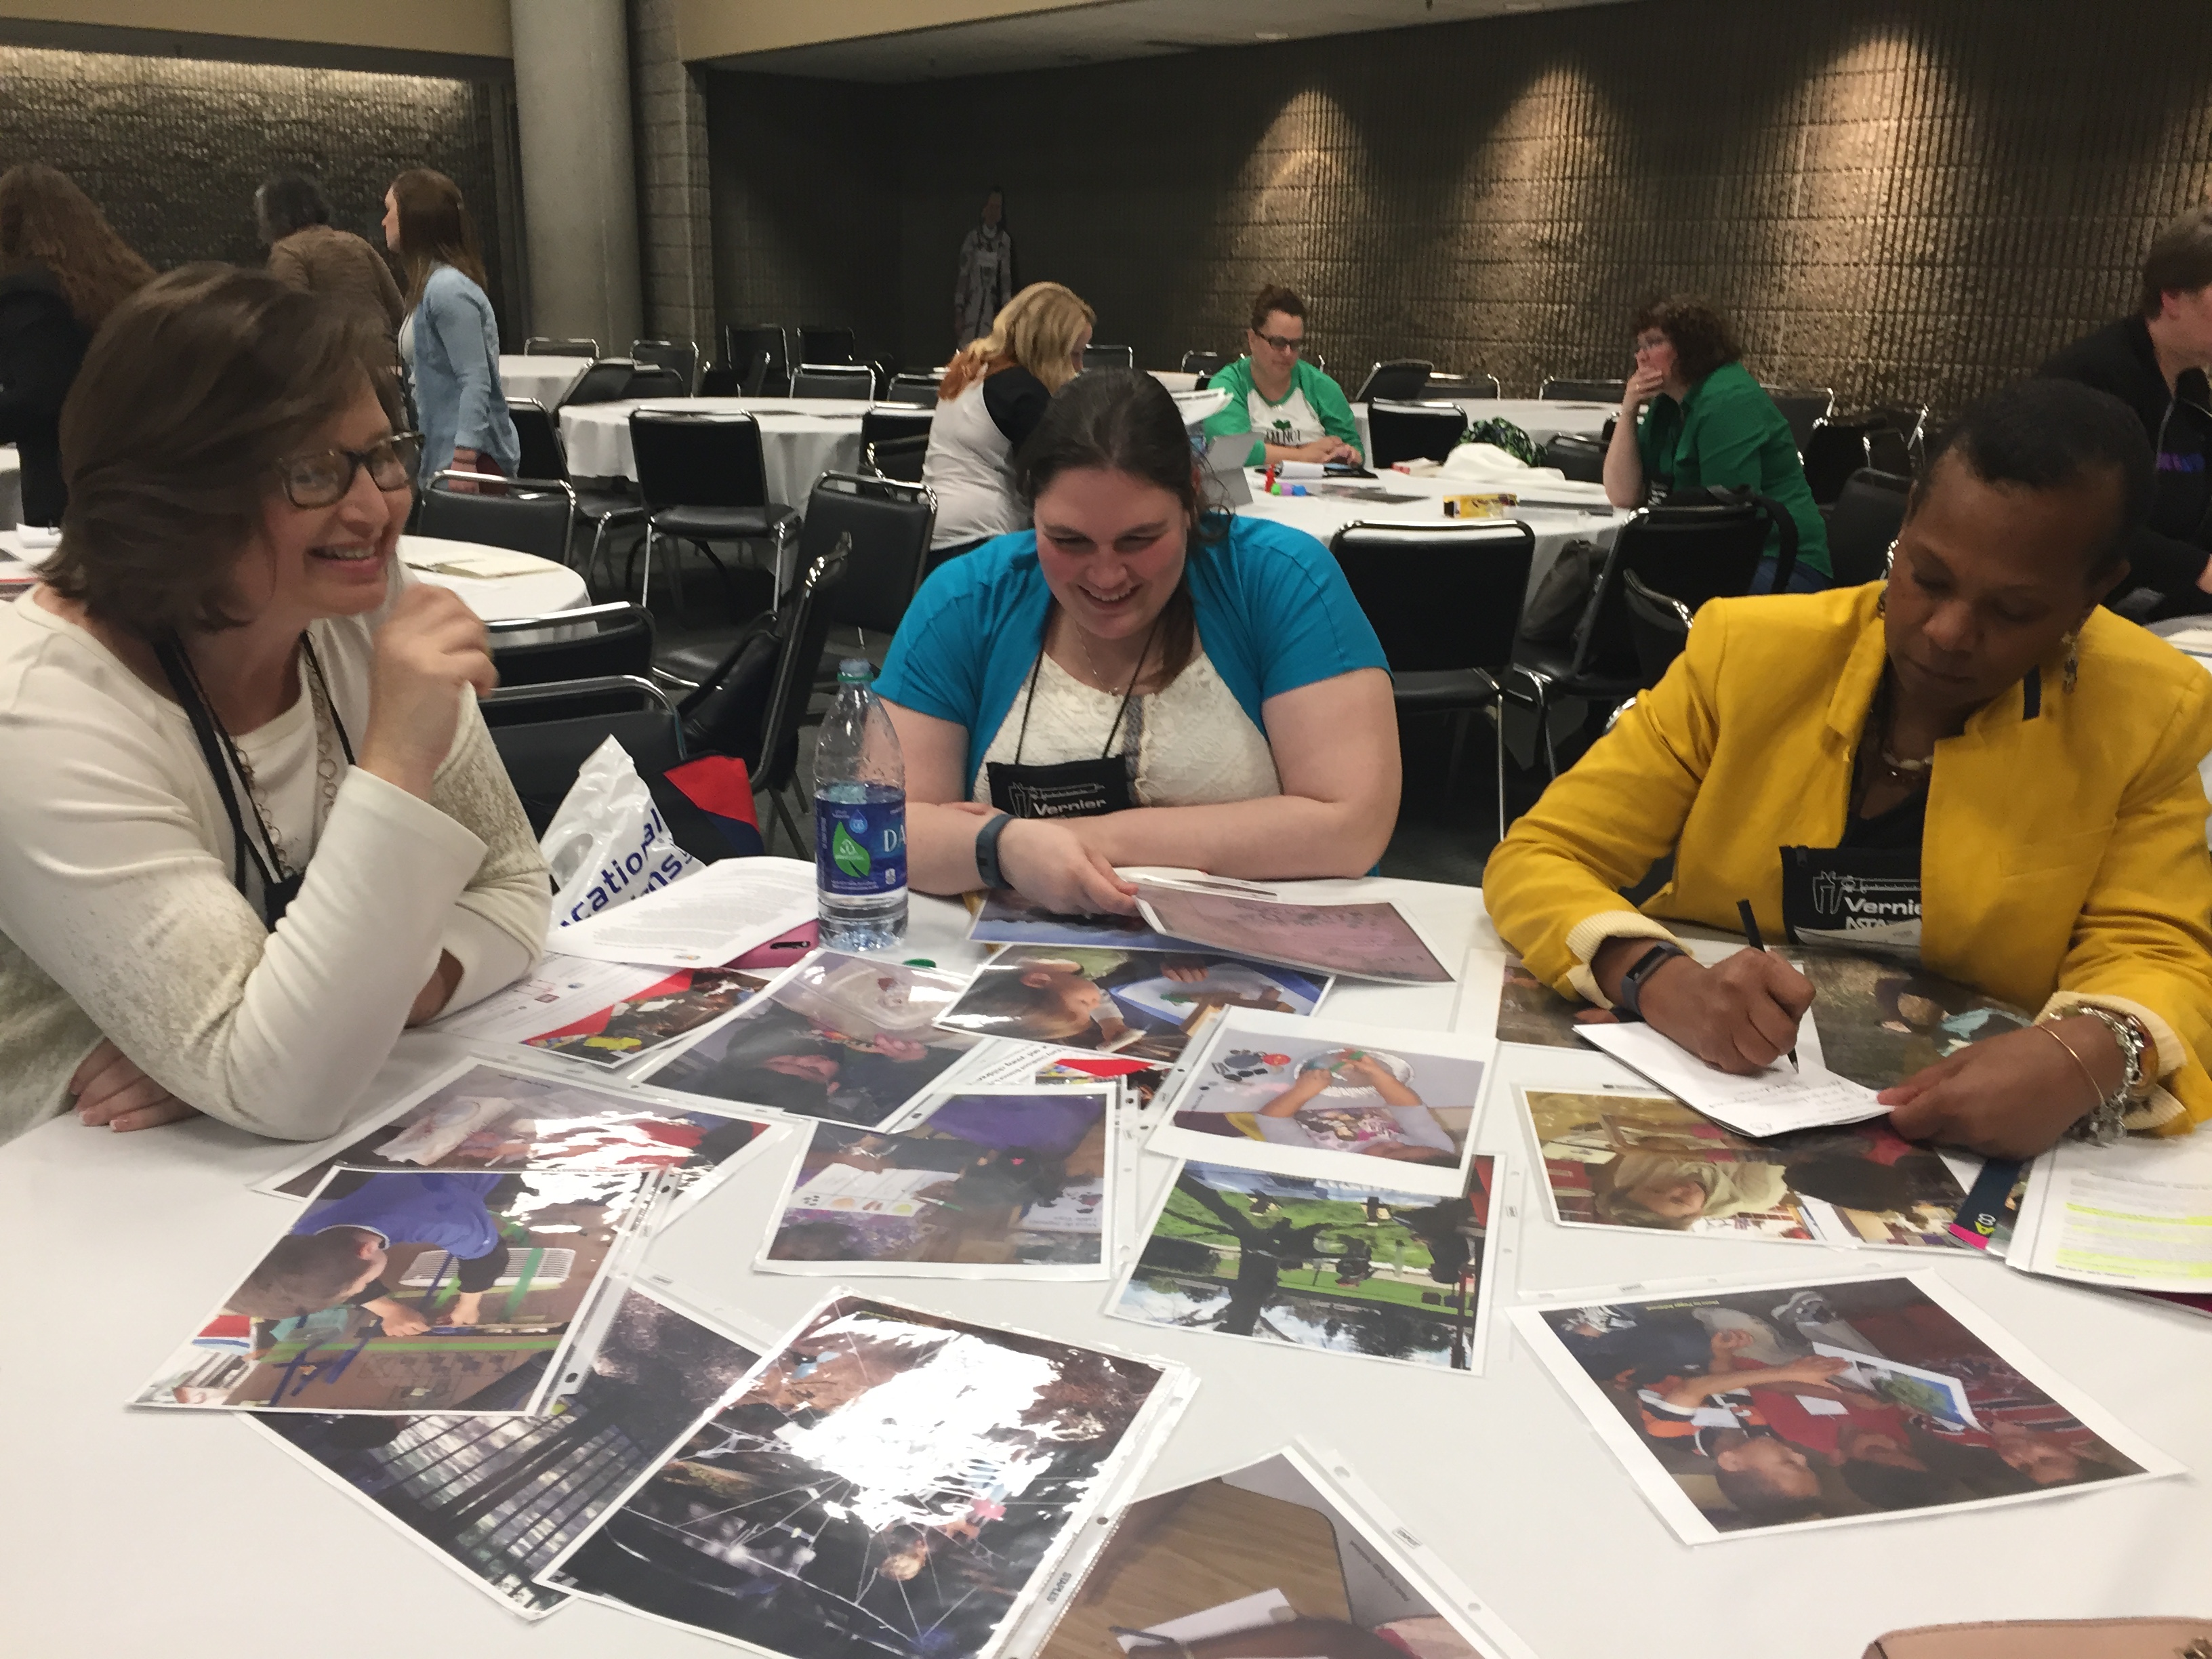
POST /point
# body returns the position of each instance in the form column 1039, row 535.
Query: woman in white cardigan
column 253, row 824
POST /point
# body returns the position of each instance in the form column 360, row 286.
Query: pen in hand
column 1750, row 933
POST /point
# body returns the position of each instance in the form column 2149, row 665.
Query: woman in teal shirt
column 1710, row 424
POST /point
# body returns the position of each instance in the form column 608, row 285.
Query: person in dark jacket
column 62, row 270
column 2155, row 362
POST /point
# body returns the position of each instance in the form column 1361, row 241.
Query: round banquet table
column 11, row 487
column 137, row 1532
column 1539, row 418
column 548, row 380
column 801, row 438
column 499, row 584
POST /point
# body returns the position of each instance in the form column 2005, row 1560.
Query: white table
column 135, row 1533
column 1539, row 418
column 801, row 438
column 499, row 584
column 548, row 380
column 11, row 487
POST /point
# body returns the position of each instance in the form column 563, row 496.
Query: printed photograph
column 406, row 1293
column 992, row 1183
column 1006, row 918
column 1622, row 1160
column 1332, row 1265
column 1260, row 1563
column 1797, row 1405
column 498, row 1497
column 1367, row 940
column 892, row 1483
column 845, row 1038
column 1138, row 1003
column 635, row 1027
column 1328, row 1097
column 1531, row 1012
column 490, row 1118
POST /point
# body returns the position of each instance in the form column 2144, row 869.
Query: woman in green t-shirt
column 1709, row 423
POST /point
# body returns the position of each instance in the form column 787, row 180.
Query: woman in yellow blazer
column 1970, row 762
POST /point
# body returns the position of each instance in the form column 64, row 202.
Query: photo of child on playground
column 1628, row 1160
column 1335, row 1265
column 847, row 1038
column 405, row 1294
column 991, row 1179
column 1342, row 1090
column 492, row 1118
column 1142, row 1003
column 658, row 1015
column 1850, row 1400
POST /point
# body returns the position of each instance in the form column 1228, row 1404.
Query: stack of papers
column 1772, row 1101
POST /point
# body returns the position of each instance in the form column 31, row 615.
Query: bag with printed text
column 608, row 843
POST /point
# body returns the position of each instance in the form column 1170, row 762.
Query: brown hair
column 434, row 229
column 302, row 1274
column 1036, row 329
column 46, row 220
column 200, row 383
column 1273, row 298
column 2180, row 260
column 1701, row 336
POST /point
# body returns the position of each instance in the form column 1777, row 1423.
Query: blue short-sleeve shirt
column 444, row 1209
column 1272, row 609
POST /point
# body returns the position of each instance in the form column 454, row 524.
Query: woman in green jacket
column 1709, row 423
column 1293, row 411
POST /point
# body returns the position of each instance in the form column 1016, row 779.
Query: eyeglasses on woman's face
column 321, row 478
column 1280, row 342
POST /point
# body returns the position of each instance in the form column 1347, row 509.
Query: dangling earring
column 1881, row 601
column 2073, row 644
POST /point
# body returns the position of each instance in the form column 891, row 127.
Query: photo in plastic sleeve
column 405, row 1294
column 1372, row 939
column 991, row 1183
column 890, row 1483
column 1616, row 1160
column 1270, row 1561
column 849, row 1039
column 1142, row 1003
column 1337, row 1265
column 1327, row 1098
column 635, row 1026
column 497, row 1499
column 1005, row 917
column 480, row 1117
column 1825, row 1402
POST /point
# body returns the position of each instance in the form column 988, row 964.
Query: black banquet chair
column 545, row 345
column 1567, row 389
column 820, row 343
column 1658, row 625
column 679, row 357
column 544, row 456
column 545, row 733
column 590, row 643
column 1864, row 523
column 606, row 381
column 1804, row 407
column 1400, row 381
column 759, row 355
column 917, row 390
column 703, row 480
column 1200, row 363
column 895, row 439
column 1110, row 356
column 1412, row 432
column 1445, row 600
column 1478, row 385
column 524, row 516
column 856, row 382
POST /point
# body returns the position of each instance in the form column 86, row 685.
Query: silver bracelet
column 2106, row 1122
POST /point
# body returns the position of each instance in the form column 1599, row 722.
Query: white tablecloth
column 498, row 584
column 11, row 487
column 801, row 438
column 548, row 380
column 1540, row 420
column 128, row 1239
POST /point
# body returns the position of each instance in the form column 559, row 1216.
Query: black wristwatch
column 1627, row 1002
column 987, row 850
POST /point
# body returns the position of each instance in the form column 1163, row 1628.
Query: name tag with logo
column 1863, row 899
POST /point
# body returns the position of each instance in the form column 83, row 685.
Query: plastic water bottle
column 860, row 819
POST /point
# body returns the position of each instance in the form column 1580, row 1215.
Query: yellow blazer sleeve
column 1553, row 886
column 2145, row 937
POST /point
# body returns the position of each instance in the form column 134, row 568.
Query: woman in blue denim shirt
column 450, row 341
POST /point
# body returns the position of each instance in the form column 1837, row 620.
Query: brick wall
column 172, row 149
column 676, row 227
column 1901, row 198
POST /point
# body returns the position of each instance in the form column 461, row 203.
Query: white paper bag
column 608, row 843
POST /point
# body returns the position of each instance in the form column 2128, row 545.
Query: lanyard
column 1121, row 714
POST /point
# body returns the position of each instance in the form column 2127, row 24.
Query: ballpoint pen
column 1750, row 933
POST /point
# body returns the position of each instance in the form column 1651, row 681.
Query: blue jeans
column 1804, row 578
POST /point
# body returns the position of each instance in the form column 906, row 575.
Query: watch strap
column 1627, row 1002
column 987, row 850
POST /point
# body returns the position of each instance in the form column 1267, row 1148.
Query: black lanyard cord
column 1036, row 673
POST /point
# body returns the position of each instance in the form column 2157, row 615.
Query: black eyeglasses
column 321, row 478
column 1280, row 343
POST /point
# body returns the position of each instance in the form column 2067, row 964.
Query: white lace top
column 1194, row 745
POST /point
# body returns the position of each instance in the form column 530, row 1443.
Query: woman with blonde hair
column 62, row 269
column 450, row 341
column 994, row 393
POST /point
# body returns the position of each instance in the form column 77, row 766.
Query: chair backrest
column 1691, row 554
column 886, row 526
column 855, row 380
column 1478, row 385
column 528, row 515
column 654, row 380
column 760, row 354
column 1576, row 456
column 897, row 421
column 916, row 389
column 1804, row 407
column 681, row 357
column 1899, row 442
column 1658, row 623
column 545, row 345
column 1201, row 362
column 1110, row 356
column 594, row 641
column 1440, row 596
column 1412, row 432
column 1400, row 381
column 1864, row 522
column 1557, row 390
column 697, row 458
column 819, row 343
column 543, row 456
column 606, row 381
column 804, row 625
column 544, row 734
column 902, row 459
